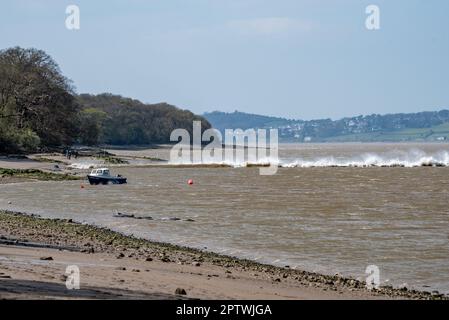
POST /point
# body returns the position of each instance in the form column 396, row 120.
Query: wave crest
column 408, row 160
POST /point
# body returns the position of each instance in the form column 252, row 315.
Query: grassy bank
column 92, row 239
column 34, row 174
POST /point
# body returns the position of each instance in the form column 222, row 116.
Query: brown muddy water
column 331, row 208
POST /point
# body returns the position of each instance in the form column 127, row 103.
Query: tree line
column 112, row 119
column 39, row 110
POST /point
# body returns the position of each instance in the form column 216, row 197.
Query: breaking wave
column 408, row 160
column 85, row 165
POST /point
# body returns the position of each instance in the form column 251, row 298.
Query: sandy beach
column 35, row 252
column 24, row 275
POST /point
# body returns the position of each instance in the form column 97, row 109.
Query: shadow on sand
column 27, row 289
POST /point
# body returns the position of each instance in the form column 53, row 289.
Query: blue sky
column 292, row 58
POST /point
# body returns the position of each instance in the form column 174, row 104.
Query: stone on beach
column 180, row 291
column 165, row 259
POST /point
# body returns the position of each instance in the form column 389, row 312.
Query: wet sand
column 24, row 276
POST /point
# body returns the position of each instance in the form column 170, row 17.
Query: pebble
column 435, row 293
column 180, row 291
column 165, row 259
column 88, row 250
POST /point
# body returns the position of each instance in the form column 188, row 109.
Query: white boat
column 103, row 176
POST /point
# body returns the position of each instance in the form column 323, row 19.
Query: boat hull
column 93, row 180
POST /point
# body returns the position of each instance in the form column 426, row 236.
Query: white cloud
column 269, row 26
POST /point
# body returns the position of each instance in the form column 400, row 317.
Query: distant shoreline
column 400, row 127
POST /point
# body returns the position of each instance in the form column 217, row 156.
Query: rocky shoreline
column 22, row 229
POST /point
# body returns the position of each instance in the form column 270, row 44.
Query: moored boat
column 103, row 176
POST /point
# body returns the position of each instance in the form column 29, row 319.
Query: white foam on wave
column 83, row 165
column 408, row 159
column 404, row 159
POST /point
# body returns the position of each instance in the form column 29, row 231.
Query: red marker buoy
column 190, row 182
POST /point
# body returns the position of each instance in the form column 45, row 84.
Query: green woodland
column 40, row 110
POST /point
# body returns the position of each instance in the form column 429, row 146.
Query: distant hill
column 422, row 126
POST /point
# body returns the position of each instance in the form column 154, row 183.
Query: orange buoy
column 190, row 182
